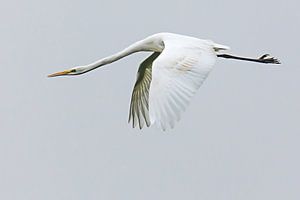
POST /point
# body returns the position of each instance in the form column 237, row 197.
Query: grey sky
column 68, row 138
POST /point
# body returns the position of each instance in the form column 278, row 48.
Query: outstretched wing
column 139, row 106
column 176, row 75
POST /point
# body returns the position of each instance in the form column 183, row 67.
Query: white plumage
column 169, row 77
column 177, row 72
column 176, row 75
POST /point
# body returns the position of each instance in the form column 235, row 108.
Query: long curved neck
column 142, row 45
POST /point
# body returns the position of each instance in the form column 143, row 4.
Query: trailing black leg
column 266, row 58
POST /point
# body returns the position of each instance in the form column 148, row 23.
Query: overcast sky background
column 68, row 138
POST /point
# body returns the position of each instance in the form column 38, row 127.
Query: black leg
column 266, row 58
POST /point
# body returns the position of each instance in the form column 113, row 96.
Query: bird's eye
column 73, row 70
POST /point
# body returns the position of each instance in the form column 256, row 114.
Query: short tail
column 220, row 47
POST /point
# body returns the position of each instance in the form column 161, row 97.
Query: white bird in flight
column 169, row 77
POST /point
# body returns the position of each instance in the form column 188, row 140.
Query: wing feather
column 176, row 75
column 139, row 105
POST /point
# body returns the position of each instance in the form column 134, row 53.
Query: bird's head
column 69, row 72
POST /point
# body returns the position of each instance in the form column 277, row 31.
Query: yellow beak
column 60, row 73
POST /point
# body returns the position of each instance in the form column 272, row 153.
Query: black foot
column 266, row 58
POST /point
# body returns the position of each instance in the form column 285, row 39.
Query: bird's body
column 168, row 78
column 176, row 70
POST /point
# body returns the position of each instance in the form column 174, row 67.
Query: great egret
column 169, row 77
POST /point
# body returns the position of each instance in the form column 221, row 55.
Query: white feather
column 177, row 74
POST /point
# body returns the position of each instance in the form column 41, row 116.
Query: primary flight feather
column 169, row 77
